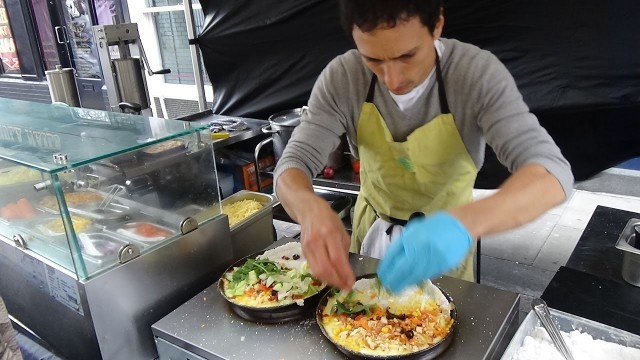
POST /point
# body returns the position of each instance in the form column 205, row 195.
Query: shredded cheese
column 240, row 210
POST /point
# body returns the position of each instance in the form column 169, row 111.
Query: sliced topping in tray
column 97, row 245
column 371, row 321
column 56, row 227
column 18, row 174
column 73, row 199
column 21, row 209
column 145, row 231
column 165, row 146
column 240, row 210
column 278, row 277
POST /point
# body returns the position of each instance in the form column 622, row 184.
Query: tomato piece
column 356, row 166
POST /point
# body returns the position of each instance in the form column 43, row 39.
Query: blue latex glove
column 427, row 248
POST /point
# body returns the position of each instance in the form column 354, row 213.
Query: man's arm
column 526, row 194
column 325, row 242
column 437, row 243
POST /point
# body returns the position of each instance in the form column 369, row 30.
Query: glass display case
column 89, row 189
column 108, row 221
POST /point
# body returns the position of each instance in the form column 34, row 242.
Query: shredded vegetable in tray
column 240, row 210
column 278, row 277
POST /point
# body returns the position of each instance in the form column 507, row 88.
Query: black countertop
column 591, row 284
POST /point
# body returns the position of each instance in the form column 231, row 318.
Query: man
column 417, row 111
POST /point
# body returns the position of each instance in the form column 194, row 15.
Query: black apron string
column 442, row 94
column 372, row 88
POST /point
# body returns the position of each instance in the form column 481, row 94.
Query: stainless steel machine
column 108, row 221
column 124, row 76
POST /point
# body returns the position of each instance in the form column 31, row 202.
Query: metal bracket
column 188, row 225
column 127, row 253
column 19, row 241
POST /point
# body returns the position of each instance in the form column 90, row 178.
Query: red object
column 150, row 230
column 328, row 172
column 356, row 166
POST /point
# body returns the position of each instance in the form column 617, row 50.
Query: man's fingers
column 339, row 258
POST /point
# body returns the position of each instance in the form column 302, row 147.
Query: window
column 169, row 23
column 163, row 31
column 10, row 63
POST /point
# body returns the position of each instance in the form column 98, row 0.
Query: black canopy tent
column 576, row 62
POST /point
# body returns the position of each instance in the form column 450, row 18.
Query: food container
column 256, row 231
column 145, row 232
column 100, row 246
column 629, row 244
column 52, row 226
column 110, row 213
column 567, row 323
column 73, row 200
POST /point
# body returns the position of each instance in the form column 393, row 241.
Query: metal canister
column 62, row 86
column 130, row 81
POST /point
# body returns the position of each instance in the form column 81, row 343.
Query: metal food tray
column 566, row 323
column 112, row 212
column 123, row 230
column 101, row 240
column 267, row 201
column 38, row 225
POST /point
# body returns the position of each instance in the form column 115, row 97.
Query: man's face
column 401, row 56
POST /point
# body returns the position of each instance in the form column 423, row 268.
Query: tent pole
column 195, row 54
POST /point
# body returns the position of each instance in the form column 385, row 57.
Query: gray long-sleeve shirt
column 482, row 95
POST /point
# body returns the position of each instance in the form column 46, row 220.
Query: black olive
column 296, row 256
column 354, row 315
column 274, row 293
column 409, row 334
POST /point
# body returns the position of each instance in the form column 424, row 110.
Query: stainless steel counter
column 254, row 127
column 206, row 326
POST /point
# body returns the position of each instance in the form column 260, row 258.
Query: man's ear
column 438, row 29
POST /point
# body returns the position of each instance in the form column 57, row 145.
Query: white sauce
column 538, row 346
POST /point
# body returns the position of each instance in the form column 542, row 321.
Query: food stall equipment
column 108, row 222
column 62, row 86
column 206, row 328
column 629, row 244
column 124, row 78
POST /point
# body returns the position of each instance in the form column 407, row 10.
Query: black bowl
column 431, row 352
column 273, row 314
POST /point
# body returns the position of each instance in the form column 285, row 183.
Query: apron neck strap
column 372, row 88
column 442, row 95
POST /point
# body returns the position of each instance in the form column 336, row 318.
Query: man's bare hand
column 325, row 244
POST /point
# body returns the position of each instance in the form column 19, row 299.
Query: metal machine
column 124, row 76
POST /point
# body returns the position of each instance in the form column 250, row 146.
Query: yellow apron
column 430, row 171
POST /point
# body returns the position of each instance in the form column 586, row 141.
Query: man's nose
column 392, row 76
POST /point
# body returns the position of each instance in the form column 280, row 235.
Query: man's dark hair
column 369, row 14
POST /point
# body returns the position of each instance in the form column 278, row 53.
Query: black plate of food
column 371, row 323
column 271, row 286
